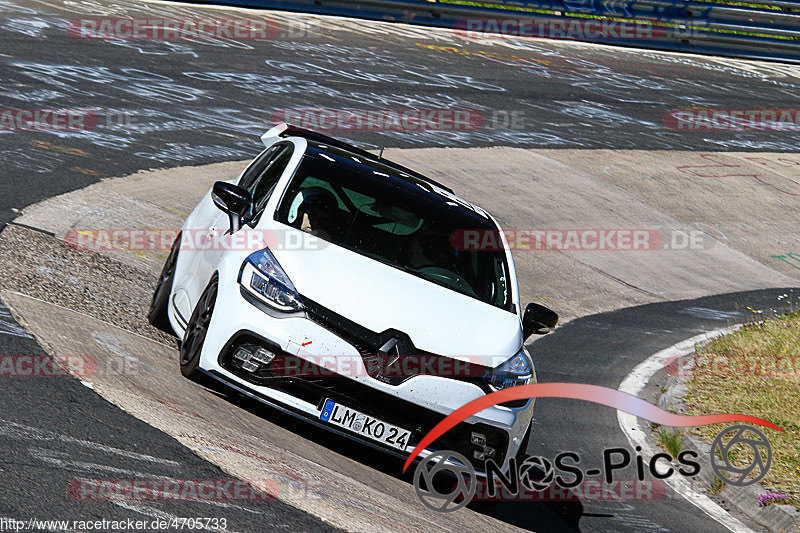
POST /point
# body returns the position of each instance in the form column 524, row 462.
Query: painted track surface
column 57, row 431
column 189, row 104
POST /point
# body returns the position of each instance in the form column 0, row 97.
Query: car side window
column 262, row 176
column 257, row 167
column 265, row 184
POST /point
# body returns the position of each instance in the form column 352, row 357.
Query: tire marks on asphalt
column 25, row 432
column 74, row 458
column 8, row 325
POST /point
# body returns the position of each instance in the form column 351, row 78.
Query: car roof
column 322, row 142
column 400, row 176
column 371, row 160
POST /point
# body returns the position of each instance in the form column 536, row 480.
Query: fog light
column 479, row 455
column 263, row 356
column 249, row 366
column 478, row 439
column 242, row 354
column 489, row 451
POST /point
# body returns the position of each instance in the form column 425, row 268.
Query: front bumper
column 416, row 404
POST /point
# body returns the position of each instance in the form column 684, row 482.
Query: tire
column 157, row 315
column 196, row 331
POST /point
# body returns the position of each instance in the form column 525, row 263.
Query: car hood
column 380, row 297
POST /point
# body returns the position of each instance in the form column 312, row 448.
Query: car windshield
column 387, row 215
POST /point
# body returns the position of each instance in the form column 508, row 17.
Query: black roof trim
column 294, row 131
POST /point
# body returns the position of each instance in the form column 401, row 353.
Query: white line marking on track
column 9, row 327
column 22, row 431
column 152, row 512
column 48, row 456
column 631, row 427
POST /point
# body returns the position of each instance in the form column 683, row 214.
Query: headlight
column 263, row 277
column 516, row 371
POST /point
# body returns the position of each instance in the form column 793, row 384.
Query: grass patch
column 755, row 371
column 716, row 486
column 671, row 440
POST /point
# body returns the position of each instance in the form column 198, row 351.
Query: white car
column 352, row 308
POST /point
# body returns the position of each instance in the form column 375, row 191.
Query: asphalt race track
column 598, row 349
column 164, row 104
column 193, row 103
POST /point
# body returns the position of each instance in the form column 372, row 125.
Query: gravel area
column 42, row 266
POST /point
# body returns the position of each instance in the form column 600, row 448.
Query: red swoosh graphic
column 622, row 401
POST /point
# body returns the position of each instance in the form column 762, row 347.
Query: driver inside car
column 317, row 212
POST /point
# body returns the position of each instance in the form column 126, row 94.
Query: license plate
column 370, row 427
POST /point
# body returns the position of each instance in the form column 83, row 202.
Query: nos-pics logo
column 446, row 481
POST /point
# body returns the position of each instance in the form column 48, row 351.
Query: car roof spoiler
column 274, row 133
column 285, row 130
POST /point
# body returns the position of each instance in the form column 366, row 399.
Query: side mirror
column 233, row 200
column 538, row 319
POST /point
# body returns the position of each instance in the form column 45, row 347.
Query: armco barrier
column 759, row 30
